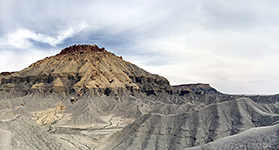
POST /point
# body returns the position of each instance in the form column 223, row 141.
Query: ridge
column 198, row 88
column 82, row 48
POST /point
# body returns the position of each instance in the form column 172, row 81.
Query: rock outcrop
column 83, row 68
column 6, row 73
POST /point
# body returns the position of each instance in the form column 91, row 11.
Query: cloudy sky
column 233, row 45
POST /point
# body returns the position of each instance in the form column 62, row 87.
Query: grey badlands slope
column 88, row 98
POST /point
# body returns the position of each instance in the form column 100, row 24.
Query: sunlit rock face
column 83, row 67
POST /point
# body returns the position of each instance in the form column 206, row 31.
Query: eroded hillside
column 88, row 98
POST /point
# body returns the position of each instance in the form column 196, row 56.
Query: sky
column 232, row 45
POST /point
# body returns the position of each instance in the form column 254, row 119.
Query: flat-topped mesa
column 195, row 86
column 198, row 88
column 81, row 49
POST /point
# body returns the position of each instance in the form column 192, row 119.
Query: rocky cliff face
column 88, row 98
column 83, row 68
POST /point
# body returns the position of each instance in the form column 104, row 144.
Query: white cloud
column 21, row 38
